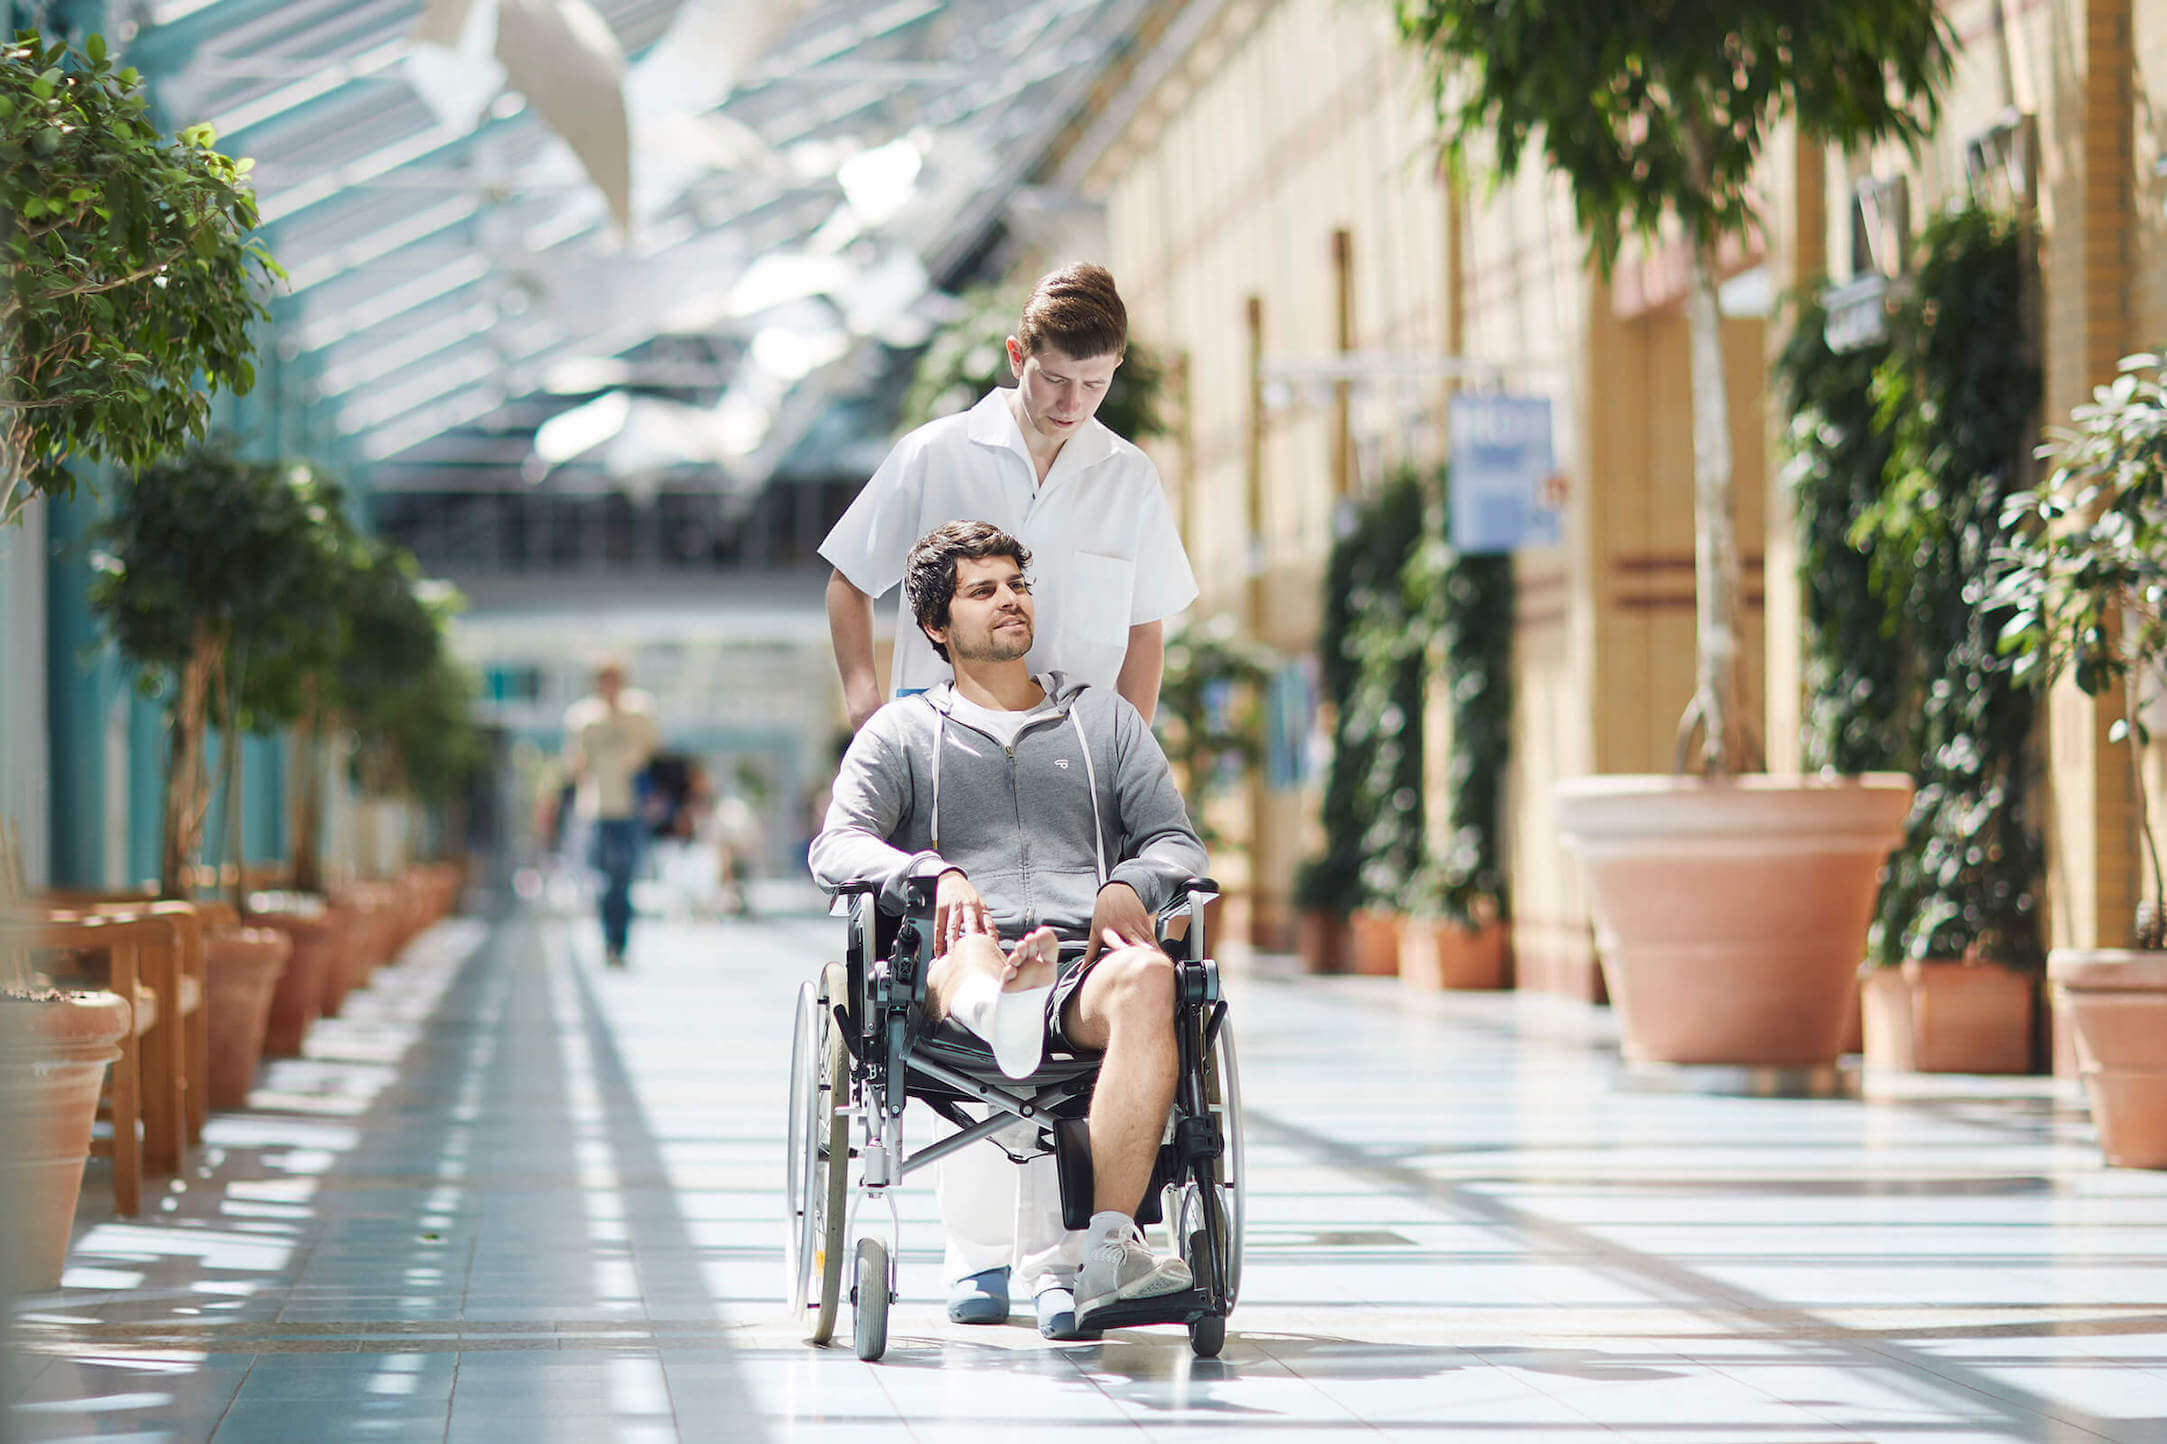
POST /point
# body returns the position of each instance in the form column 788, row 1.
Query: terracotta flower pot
column 1940, row 1015
column 1321, row 939
column 1730, row 915
column 373, row 913
column 245, row 964
column 1441, row 955
column 1374, row 944
column 53, row 1057
column 298, row 1000
column 2117, row 1002
column 348, row 967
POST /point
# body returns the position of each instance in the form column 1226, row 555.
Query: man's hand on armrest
column 1119, row 920
column 957, row 910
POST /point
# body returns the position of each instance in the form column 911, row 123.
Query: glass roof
column 612, row 236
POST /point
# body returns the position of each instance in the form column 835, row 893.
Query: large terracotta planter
column 245, row 964
column 1440, row 955
column 1373, row 948
column 53, row 1057
column 1321, row 939
column 1938, row 1015
column 372, row 910
column 1730, row 915
column 2117, row 1003
column 297, row 1002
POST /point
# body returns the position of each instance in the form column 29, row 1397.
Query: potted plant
column 1730, row 909
column 2083, row 574
column 1853, row 718
column 1455, row 933
column 1954, row 952
column 1373, row 653
column 1211, row 723
column 210, row 581
column 55, row 1047
column 129, row 289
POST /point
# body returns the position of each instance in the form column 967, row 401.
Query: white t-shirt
column 1105, row 555
column 609, row 749
column 998, row 723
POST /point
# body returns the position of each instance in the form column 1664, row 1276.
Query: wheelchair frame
column 862, row 1050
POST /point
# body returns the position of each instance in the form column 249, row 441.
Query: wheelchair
column 862, row 1049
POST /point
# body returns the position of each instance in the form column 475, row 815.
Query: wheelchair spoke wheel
column 1230, row 1175
column 801, row 1154
column 869, row 1304
column 831, row 1172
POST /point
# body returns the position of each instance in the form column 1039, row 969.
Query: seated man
column 1049, row 815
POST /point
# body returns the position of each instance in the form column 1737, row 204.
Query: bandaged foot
column 1010, row 1013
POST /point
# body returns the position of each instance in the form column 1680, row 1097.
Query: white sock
column 1019, row 1030
column 1110, row 1223
column 1012, row 1024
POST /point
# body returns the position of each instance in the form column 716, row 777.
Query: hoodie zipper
column 1015, row 797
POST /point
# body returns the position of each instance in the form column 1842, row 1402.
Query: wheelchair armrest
column 1188, row 899
column 842, row 899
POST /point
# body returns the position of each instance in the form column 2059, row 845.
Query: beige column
column 2092, row 869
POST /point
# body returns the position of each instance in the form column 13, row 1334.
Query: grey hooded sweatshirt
column 1038, row 827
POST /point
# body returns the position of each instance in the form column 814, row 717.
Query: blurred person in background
column 609, row 738
column 1108, row 570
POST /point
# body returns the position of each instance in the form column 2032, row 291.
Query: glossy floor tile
column 512, row 1195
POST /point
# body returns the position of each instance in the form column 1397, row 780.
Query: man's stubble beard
column 995, row 649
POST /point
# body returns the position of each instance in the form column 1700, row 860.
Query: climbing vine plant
column 1856, row 718
column 1957, row 398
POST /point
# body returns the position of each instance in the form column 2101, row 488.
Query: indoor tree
column 1211, row 709
column 128, row 281
column 2080, row 577
column 131, row 274
column 393, row 645
column 1655, row 116
column 208, row 563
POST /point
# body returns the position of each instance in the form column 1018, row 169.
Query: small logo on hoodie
column 1061, row 762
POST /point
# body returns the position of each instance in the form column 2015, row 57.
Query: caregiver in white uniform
column 1108, row 570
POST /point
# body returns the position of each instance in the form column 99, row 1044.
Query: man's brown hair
column 1076, row 310
column 929, row 573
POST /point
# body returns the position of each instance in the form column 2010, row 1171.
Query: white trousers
column 1000, row 1214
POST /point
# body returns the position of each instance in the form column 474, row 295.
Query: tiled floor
column 511, row 1196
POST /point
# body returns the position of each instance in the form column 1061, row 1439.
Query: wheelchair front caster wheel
column 1208, row 1336
column 869, row 1304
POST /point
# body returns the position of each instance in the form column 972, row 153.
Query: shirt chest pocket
column 1095, row 616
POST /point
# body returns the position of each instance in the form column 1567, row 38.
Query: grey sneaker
column 1124, row 1267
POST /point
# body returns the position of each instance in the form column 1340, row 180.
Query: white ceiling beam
column 321, row 332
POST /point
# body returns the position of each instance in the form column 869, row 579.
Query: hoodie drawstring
column 1091, row 781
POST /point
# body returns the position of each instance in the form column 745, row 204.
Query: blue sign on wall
column 1503, row 473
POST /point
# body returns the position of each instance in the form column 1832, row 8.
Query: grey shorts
column 1066, row 987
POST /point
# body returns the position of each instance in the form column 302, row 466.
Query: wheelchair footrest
column 1185, row 1307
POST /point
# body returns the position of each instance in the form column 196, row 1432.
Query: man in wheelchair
column 1050, row 819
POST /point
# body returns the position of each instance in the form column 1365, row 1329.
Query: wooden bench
column 151, row 955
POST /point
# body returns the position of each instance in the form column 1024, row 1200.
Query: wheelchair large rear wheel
column 819, row 1155
column 1206, row 1208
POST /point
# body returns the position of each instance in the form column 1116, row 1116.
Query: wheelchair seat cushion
column 951, row 1044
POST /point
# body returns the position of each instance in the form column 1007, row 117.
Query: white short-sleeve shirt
column 1105, row 555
